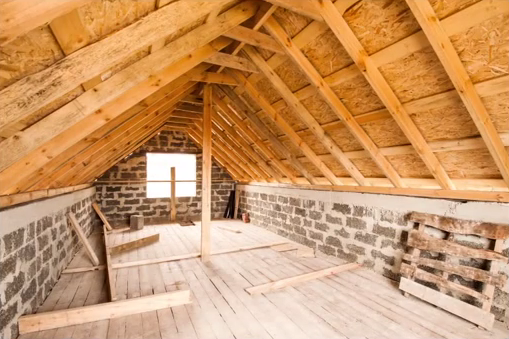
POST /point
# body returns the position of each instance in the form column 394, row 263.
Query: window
column 159, row 168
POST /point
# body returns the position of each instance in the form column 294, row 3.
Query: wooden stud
column 173, row 196
column 449, row 58
column 101, row 216
column 330, row 97
column 377, row 81
column 83, row 238
column 131, row 245
column 112, row 289
column 86, row 314
column 305, row 116
column 206, row 174
column 275, row 285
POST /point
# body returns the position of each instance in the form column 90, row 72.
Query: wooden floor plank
column 348, row 305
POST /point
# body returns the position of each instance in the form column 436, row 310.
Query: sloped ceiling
column 368, row 96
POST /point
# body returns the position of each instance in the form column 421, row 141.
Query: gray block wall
column 119, row 201
column 367, row 228
column 36, row 244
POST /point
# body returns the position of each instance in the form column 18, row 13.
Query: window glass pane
column 159, row 168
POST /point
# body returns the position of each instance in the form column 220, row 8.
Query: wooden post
column 173, row 202
column 206, row 173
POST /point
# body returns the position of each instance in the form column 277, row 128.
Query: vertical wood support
column 489, row 289
column 173, row 195
column 415, row 253
column 206, row 173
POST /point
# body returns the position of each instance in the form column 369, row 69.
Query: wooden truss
column 250, row 135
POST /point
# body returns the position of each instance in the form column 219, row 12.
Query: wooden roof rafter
column 378, row 82
column 443, row 47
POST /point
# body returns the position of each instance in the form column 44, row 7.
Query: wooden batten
column 482, row 229
column 426, row 242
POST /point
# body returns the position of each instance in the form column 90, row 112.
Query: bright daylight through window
column 159, row 169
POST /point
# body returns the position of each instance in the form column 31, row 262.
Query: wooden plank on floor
column 81, row 315
column 128, row 246
column 264, row 288
column 450, row 304
column 192, row 255
column 83, row 239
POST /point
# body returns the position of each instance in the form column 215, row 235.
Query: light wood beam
column 226, row 110
column 131, row 245
column 449, row 58
column 264, row 131
column 173, row 119
column 372, row 74
column 21, row 16
column 305, row 116
column 235, row 171
column 285, row 127
column 132, row 84
column 215, row 78
column 21, row 198
column 254, row 38
column 454, row 24
column 228, row 143
column 306, row 7
column 77, row 162
column 98, row 169
column 206, row 187
column 83, row 238
column 330, row 97
column 187, row 115
column 99, row 159
column 232, row 61
column 264, row 12
column 47, row 85
column 86, row 314
column 239, row 139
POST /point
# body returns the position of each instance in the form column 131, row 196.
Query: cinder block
column 136, row 222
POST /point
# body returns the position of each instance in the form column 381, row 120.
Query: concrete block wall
column 36, row 244
column 366, row 228
column 119, row 201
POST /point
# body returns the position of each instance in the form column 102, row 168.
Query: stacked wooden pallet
column 419, row 241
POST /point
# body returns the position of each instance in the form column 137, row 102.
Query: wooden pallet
column 418, row 240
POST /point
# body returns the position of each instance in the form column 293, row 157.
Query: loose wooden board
column 450, row 304
column 131, row 245
column 264, row 288
column 111, row 310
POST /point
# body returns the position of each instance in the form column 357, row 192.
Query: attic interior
column 254, row 169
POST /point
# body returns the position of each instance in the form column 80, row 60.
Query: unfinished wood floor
column 355, row 304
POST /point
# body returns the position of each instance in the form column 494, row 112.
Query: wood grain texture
column 450, row 304
column 482, row 229
column 45, row 86
column 83, row 238
column 426, row 242
column 131, row 245
column 473, row 273
column 105, row 311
